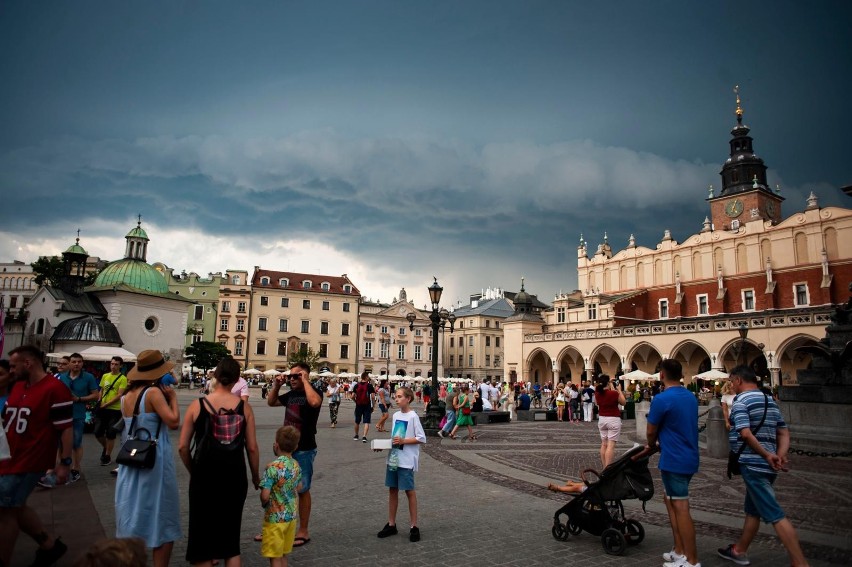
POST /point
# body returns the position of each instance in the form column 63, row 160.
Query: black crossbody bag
column 139, row 453
column 734, row 456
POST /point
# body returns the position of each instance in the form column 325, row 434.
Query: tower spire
column 739, row 110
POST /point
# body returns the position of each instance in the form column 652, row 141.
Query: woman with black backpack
column 218, row 430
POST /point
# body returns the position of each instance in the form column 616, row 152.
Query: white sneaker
column 672, row 555
column 682, row 562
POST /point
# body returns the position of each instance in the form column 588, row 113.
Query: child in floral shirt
column 279, row 498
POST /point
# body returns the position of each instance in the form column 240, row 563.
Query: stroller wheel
column 573, row 528
column 559, row 532
column 634, row 533
column 613, row 542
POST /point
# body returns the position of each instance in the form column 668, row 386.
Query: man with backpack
column 365, row 396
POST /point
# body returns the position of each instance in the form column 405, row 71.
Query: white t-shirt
column 240, row 388
column 728, row 399
column 408, row 425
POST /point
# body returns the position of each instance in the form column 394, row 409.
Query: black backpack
column 223, row 432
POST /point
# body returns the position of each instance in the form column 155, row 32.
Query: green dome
column 76, row 249
column 134, row 273
column 137, row 232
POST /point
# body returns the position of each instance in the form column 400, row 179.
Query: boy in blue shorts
column 407, row 434
column 279, row 498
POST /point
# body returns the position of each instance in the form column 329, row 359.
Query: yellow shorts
column 278, row 538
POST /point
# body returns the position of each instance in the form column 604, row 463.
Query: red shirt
column 608, row 403
column 34, row 419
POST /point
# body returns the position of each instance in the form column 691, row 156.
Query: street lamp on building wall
column 438, row 321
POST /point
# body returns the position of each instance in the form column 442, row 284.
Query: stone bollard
column 642, row 409
column 717, row 435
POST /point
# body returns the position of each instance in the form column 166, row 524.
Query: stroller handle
column 583, row 475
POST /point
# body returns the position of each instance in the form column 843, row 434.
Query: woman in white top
column 727, row 399
column 241, row 389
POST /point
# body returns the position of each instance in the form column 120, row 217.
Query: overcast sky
column 393, row 141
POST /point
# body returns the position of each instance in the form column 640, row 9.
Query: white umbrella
column 712, row 374
column 271, row 372
column 637, row 375
column 104, row 353
column 327, row 373
column 252, row 371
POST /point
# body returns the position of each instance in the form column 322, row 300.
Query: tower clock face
column 770, row 208
column 734, row 208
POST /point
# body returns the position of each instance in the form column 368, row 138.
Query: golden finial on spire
column 739, row 108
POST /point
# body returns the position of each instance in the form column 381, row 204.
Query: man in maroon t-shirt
column 38, row 414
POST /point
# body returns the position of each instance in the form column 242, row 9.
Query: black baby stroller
column 598, row 510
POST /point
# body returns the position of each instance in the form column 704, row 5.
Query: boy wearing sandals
column 407, row 434
column 279, row 498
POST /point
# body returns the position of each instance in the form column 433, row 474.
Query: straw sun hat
column 150, row 365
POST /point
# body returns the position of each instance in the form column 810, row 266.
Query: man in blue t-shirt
column 673, row 420
column 758, row 427
column 524, row 401
column 84, row 389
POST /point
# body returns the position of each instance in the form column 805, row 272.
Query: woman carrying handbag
column 146, row 499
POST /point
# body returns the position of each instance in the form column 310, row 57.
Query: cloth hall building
column 747, row 267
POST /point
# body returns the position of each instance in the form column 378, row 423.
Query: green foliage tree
column 304, row 355
column 206, row 354
column 50, row 269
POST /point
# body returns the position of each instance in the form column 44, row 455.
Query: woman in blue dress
column 146, row 500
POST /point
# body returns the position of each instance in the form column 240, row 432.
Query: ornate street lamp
column 438, row 321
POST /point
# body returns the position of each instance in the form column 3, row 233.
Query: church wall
column 129, row 311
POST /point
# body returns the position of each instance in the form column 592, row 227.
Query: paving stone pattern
column 480, row 503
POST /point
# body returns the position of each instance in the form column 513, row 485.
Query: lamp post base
column 432, row 417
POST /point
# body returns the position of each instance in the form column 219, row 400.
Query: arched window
column 284, row 282
column 235, row 280
column 765, row 251
column 658, row 272
column 622, row 278
column 831, row 244
column 696, row 266
column 677, row 266
column 307, row 284
column 742, row 259
column 264, row 280
column 325, row 286
column 801, row 240
column 640, row 275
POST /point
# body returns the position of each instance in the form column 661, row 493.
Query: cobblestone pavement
column 481, row 503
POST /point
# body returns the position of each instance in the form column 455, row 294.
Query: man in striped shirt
column 759, row 429
column 37, row 415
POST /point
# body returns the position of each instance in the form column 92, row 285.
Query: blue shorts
column 79, row 425
column 306, row 463
column 382, row 408
column 676, row 485
column 16, row 488
column 362, row 413
column 760, row 500
column 402, row 479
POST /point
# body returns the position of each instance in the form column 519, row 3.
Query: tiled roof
column 87, row 329
column 83, row 303
column 499, row 307
column 295, row 279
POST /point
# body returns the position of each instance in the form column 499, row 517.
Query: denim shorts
column 306, row 463
column 16, row 488
column 362, row 413
column 403, row 479
column 79, row 425
column 760, row 500
column 382, row 408
column 676, row 485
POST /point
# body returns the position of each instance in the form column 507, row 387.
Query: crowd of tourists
column 44, row 416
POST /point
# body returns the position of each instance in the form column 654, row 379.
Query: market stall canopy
column 270, row 372
column 637, row 375
column 712, row 374
column 327, row 374
column 105, row 353
column 252, row 372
